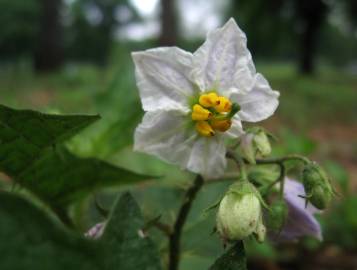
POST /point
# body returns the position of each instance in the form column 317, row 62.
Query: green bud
column 321, row 197
column 317, row 185
column 254, row 142
column 278, row 212
column 262, row 143
column 239, row 213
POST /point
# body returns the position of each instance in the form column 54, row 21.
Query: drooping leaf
column 129, row 249
column 25, row 133
column 233, row 259
column 30, row 154
column 29, row 239
column 58, row 177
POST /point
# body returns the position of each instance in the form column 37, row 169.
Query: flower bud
column 255, row 142
column 239, row 213
column 262, row 143
column 317, row 185
column 247, row 148
column 278, row 212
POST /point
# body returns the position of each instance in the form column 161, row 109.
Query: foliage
column 41, row 243
column 32, row 155
column 22, row 20
column 233, row 259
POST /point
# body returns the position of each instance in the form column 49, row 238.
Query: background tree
column 310, row 16
column 91, row 34
column 168, row 36
column 20, row 22
column 297, row 23
column 49, row 51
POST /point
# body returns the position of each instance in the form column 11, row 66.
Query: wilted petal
column 162, row 77
column 301, row 220
column 259, row 102
column 223, row 61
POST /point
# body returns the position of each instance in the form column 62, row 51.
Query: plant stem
column 155, row 222
column 282, row 159
column 240, row 163
column 175, row 237
column 63, row 216
column 282, row 180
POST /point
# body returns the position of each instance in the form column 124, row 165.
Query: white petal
column 259, row 103
column 236, row 129
column 164, row 134
column 208, row 157
column 223, row 60
column 162, row 77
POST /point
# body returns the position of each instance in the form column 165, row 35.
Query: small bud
column 255, row 142
column 321, row 197
column 239, row 212
column 247, row 148
column 317, row 185
column 278, row 212
column 262, row 143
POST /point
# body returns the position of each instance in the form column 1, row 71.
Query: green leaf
column 233, row 259
column 53, row 173
column 129, row 249
column 29, row 239
column 58, row 177
column 25, row 133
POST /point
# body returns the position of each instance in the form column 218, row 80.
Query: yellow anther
column 209, row 100
column 199, row 113
column 225, row 105
column 204, row 129
column 221, row 125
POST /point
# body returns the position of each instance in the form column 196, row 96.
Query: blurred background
column 73, row 56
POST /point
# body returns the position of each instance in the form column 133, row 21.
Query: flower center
column 213, row 113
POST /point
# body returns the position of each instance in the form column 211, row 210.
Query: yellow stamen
column 221, row 125
column 209, row 100
column 199, row 113
column 204, row 129
column 225, row 105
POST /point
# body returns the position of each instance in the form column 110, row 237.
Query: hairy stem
column 175, row 237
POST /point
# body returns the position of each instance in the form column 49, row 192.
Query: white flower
column 190, row 100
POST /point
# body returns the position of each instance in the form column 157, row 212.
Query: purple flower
column 96, row 231
column 301, row 220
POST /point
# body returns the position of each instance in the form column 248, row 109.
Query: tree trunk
column 312, row 15
column 48, row 54
column 169, row 31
